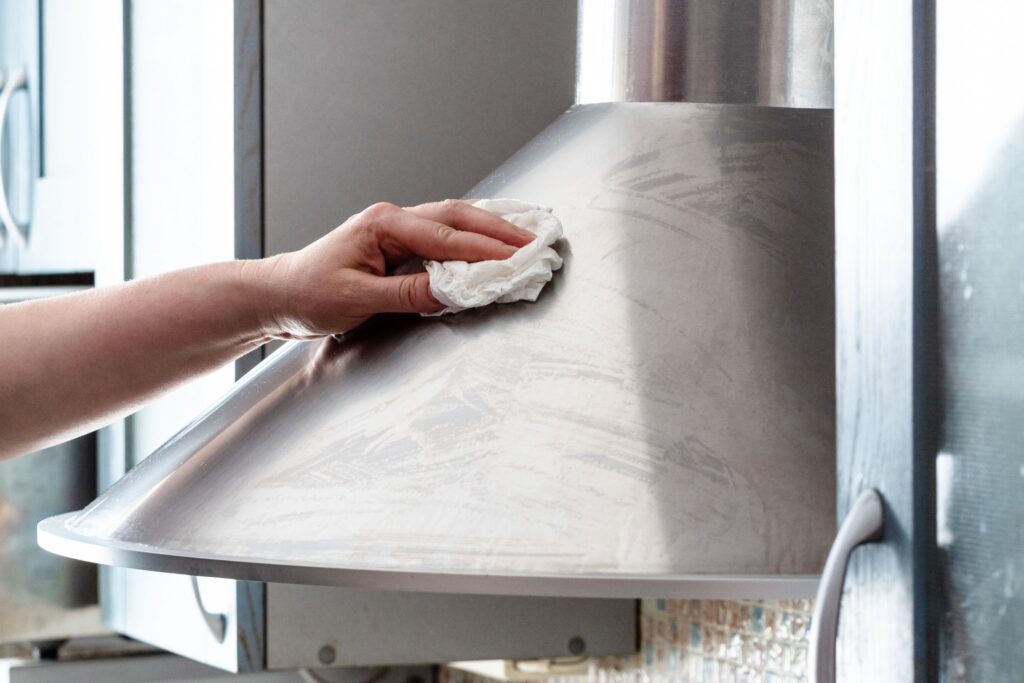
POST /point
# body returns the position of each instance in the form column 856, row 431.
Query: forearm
column 71, row 364
column 74, row 363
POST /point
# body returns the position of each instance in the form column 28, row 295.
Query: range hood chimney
column 769, row 52
column 660, row 423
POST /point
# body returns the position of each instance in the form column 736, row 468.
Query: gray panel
column 368, row 628
column 980, row 161
column 248, row 134
column 401, row 100
column 881, row 219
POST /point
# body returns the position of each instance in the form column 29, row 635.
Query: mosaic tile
column 705, row 641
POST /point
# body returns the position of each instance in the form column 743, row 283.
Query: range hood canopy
column 659, row 423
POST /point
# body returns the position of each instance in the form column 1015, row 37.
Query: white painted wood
column 78, row 199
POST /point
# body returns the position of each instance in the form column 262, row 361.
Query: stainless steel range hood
column 659, row 423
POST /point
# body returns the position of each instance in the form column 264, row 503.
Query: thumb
column 399, row 294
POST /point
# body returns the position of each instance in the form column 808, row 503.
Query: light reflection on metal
column 768, row 52
column 660, row 422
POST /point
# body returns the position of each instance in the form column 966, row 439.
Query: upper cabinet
column 62, row 154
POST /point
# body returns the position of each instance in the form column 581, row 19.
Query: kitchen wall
column 706, row 641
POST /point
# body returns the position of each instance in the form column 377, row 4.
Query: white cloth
column 460, row 285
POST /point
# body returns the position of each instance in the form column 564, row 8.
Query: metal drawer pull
column 217, row 623
column 16, row 80
column 863, row 524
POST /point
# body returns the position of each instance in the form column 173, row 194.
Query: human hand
column 337, row 282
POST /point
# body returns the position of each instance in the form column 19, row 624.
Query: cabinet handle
column 863, row 524
column 217, row 623
column 16, row 80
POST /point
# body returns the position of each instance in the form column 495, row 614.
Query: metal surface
column 54, row 536
column 14, row 80
column 370, row 628
column 863, row 524
column 768, row 52
column 658, row 423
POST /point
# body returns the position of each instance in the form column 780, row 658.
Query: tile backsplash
column 706, row 641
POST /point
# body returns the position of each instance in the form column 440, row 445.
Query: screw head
column 577, row 645
column 326, row 654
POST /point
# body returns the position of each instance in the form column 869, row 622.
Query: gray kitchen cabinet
column 930, row 365
column 299, row 115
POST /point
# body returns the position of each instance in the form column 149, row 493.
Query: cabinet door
column 20, row 134
column 882, row 233
column 63, row 139
column 930, row 362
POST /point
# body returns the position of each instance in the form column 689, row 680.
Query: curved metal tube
column 16, row 80
column 863, row 524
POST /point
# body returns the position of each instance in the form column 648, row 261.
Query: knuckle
column 445, row 234
column 377, row 212
column 452, row 205
column 407, row 294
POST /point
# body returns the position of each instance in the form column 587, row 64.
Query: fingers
column 402, row 234
column 464, row 216
column 397, row 293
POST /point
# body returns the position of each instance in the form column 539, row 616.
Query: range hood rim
column 55, row 535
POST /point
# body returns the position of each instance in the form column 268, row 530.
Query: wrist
column 262, row 280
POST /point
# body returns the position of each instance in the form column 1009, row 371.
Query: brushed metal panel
column 663, row 414
column 373, row 628
column 769, row 52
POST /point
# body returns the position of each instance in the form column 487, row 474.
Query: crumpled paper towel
column 460, row 285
